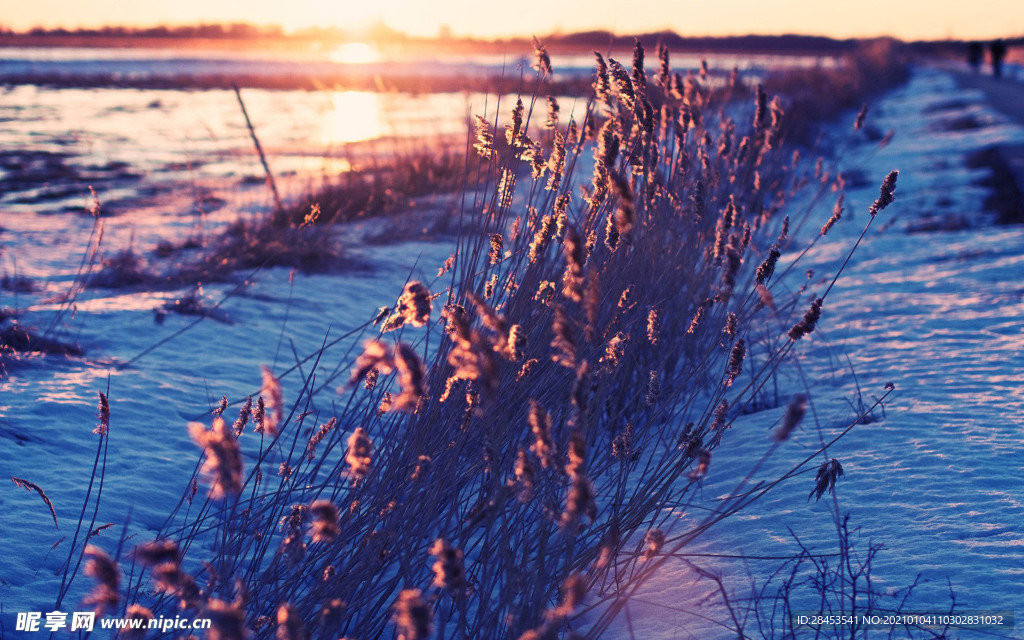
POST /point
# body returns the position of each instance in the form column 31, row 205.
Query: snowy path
column 1004, row 95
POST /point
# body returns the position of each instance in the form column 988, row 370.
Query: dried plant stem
column 259, row 151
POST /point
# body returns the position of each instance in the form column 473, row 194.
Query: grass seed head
column 170, row 579
column 542, row 61
column 137, row 612
column 158, row 552
column 325, row 521
column 497, row 248
column 703, row 462
column 837, row 214
column 449, row 572
column 103, row 415
column 731, row 324
column 602, row 80
column 484, row 144
column 761, row 110
column 664, row 77
column 886, row 193
column 274, row 403
column 105, row 596
column 526, row 369
column 227, row 620
column 358, row 455
column 809, row 321
column 514, row 132
column 622, row 444
column 733, row 260
column 293, row 547
column 223, row 465
column 524, row 476
column 552, row 118
column 516, row 343
column 825, row 479
column 243, row 417
column 412, row 615
column 221, row 407
column 577, row 455
column 411, row 378
column 579, row 501
column 574, row 588
column 414, row 305
column 613, row 352
column 735, row 365
column 653, row 388
column 563, row 341
column 556, row 162
column 654, row 539
column 695, row 322
column 653, row 326
column 767, row 268
column 289, row 624
column 858, row 124
column 625, row 212
column 540, row 426
column 791, row 420
column 318, row 436
column 623, row 84
column 572, row 278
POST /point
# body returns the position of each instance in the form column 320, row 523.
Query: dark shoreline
column 401, row 84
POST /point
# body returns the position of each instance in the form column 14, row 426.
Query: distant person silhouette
column 975, row 55
column 998, row 53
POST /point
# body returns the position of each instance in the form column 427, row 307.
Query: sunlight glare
column 356, row 116
column 355, row 53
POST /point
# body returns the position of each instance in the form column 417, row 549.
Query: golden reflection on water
column 355, row 53
column 354, row 116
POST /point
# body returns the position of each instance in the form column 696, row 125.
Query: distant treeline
column 234, row 31
column 599, row 40
column 786, row 43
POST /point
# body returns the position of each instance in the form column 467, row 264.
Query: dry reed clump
column 125, row 268
column 16, row 339
column 576, row 379
column 817, row 95
column 245, row 244
column 301, row 234
column 251, row 243
column 387, row 188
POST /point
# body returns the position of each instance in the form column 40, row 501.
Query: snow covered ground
column 940, row 314
column 938, row 481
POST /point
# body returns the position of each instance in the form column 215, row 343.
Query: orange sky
column 916, row 19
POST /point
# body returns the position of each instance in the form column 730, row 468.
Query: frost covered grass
column 499, row 460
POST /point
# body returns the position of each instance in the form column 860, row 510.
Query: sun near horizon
column 914, row 20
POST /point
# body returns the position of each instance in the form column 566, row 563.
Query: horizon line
column 381, row 31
